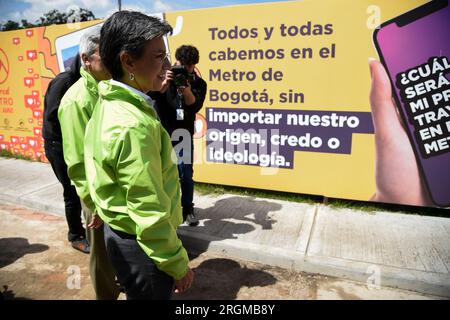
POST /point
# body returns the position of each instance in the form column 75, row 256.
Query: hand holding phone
column 397, row 174
column 415, row 51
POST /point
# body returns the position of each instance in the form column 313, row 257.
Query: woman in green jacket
column 132, row 178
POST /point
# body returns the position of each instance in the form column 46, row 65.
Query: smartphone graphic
column 415, row 50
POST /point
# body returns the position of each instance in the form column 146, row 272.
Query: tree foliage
column 52, row 17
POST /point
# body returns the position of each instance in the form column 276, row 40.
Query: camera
column 181, row 76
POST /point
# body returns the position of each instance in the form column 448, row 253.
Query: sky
column 31, row 10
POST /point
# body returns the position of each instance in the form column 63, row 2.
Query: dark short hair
column 128, row 31
column 187, row 55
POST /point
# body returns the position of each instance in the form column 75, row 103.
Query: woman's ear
column 85, row 59
column 127, row 62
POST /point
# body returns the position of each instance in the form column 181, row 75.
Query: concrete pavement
column 389, row 249
column 37, row 262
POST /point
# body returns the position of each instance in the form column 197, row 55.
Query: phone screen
column 415, row 50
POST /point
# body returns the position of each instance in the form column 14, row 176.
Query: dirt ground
column 37, row 262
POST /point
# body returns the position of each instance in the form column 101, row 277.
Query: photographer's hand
column 189, row 98
column 166, row 82
column 397, row 175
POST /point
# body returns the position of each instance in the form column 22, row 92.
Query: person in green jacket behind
column 74, row 112
column 130, row 164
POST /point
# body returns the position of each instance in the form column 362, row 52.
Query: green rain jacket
column 74, row 112
column 131, row 175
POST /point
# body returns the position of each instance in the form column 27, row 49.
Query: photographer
column 181, row 97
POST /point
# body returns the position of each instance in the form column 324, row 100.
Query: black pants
column 54, row 153
column 136, row 272
column 186, row 173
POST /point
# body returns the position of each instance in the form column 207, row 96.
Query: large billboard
column 288, row 104
column 29, row 60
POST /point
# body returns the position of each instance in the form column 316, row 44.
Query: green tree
column 52, row 17
column 25, row 24
column 79, row 15
column 10, row 25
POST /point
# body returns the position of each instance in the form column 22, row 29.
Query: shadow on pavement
column 222, row 279
column 215, row 220
column 241, row 208
column 9, row 295
column 12, row 249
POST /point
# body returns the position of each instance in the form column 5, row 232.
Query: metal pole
column 120, row 5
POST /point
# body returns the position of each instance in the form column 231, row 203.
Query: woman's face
column 150, row 69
